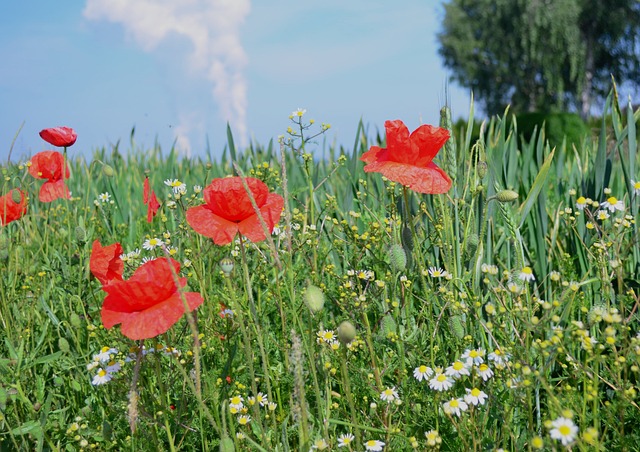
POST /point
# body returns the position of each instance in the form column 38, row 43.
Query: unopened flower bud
column 16, row 196
column 482, row 169
column 63, row 345
column 314, row 298
column 108, row 170
column 456, row 325
column 397, row 257
column 81, row 234
column 506, row 196
column 346, row 332
column 407, row 238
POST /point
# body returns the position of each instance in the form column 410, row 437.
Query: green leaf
column 29, row 427
column 535, row 189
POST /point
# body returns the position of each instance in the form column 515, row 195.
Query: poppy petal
column 426, row 141
column 155, row 320
column 431, row 180
column 399, row 142
column 271, row 212
column 227, row 197
column 11, row 210
column 59, row 136
column 52, row 190
column 153, row 281
column 207, row 223
column 105, row 262
column 374, row 154
column 48, row 165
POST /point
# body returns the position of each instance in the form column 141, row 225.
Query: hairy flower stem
column 256, row 320
column 369, row 341
column 347, row 390
column 248, row 350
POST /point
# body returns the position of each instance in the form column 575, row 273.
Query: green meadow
column 500, row 315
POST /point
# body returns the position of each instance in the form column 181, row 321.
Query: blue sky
column 180, row 69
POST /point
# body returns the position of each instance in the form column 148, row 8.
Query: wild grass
column 422, row 281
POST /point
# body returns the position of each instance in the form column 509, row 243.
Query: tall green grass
column 569, row 338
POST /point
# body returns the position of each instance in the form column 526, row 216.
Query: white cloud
column 213, row 29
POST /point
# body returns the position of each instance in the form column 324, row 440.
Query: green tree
column 541, row 54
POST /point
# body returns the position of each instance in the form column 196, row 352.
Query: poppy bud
column 74, row 320
column 506, row 196
column 108, row 170
column 81, row 234
column 63, row 345
column 226, row 265
column 346, row 332
column 37, row 406
column 4, row 254
column 472, row 243
column 407, row 238
column 397, row 257
column 456, row 325
column 481, row 167
column 16, row 196
column 314, row 298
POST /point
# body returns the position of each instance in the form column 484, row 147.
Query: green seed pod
column 74, row 320
column 397, row 257
column 456, row 325
column 346, row 332
column 226, row 265
column 314, row 297
column 81, row 234
column 108, row 170
column 407, row 238
column 4, row 254
column 226, row 445
column 16, row 196
column 63, row 345
column 506, row 196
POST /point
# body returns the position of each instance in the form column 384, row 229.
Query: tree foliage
column 541, row 54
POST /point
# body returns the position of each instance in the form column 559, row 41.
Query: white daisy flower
column 244, row 419
column 236, row 402
column 101, row 378
column 602, row 215
column 261, row 398
column 433, row 438
column 473, row 356
column 179, row 188
column 564, row 430
column 455, row 407
column 581, row 203
column 422, row 372
column 484, row 371
column 526, row 274
column 612, row 204
column 499, row 358
column 635, row 185
column 438, row 272
column 113, row 367
column 457, row 370
column 105, row 354
column 440, row 382
column 389, row 395
column 319, row 444
column 298, row 113
column 374, row 445
column 104, row 197
column 152, row 243
column 475, row 396
column 345, row 439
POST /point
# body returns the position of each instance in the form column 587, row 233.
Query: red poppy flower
column 105, row 262
column 149, row 198
column 228, row 210
column 407, row 159
column 49, row 165
column 10, row 208
column 148, row 303
column 59, row 136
